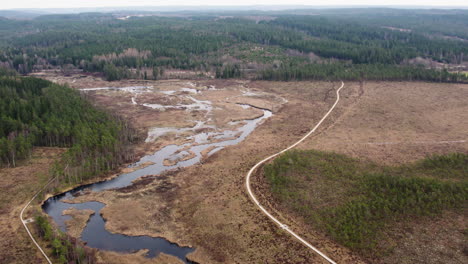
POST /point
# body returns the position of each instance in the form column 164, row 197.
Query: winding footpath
column 25, row 222
column 251, row 171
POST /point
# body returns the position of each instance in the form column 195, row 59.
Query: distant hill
column 14, row 14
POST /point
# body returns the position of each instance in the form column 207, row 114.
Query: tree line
column 35, row 112
column 358, row 72
column 144, row 47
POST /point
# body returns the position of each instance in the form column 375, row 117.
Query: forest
column 350, row 72
column 295, row 44
column 35, row 112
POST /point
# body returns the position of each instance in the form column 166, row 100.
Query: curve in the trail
column 26, row 227
column 252, row 196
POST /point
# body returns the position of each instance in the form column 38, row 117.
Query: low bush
column 354, row 201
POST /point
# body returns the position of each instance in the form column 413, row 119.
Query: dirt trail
column 17, row 186
column 265, row 211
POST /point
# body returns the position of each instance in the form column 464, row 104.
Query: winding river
column 95, row 233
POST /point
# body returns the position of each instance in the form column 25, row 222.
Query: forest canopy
column 35, row 112
column 241, row 44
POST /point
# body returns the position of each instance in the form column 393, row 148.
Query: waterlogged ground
column 202, row 207
column 216, row 118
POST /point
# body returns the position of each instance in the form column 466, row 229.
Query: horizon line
column 231, row 6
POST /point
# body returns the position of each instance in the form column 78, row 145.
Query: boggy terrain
column 205, row 206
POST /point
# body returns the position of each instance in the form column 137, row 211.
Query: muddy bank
column 95, row 233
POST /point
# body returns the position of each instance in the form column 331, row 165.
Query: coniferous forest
column 351, row 44
column 35, row 112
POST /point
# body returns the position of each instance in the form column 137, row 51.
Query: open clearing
column 397, row 122
column 206, row 206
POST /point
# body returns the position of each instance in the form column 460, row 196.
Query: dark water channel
column 95, row 233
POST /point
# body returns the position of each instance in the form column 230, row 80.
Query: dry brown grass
column 138, row 257
column 206, row 206
column 439, row 239
column 78, row 221
column 397, row 122
column 17, row 186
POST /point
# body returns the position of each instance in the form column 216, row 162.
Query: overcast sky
column 9, row 4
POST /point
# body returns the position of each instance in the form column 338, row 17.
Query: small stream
column 95, row 233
